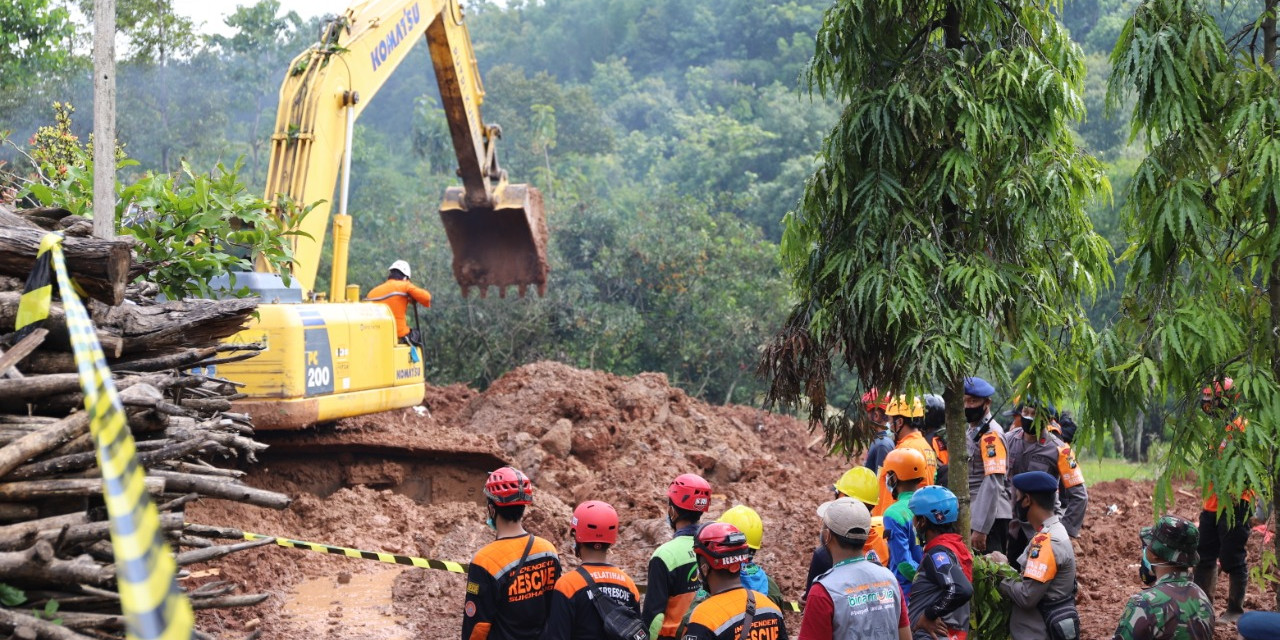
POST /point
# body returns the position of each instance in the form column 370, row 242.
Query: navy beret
column 1035, row 482
column 1259, row 625
column 978, row 387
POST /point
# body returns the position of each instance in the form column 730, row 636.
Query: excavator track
column 427, row 469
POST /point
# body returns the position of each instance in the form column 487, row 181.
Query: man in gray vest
column 1046, row 592
column 855, row 598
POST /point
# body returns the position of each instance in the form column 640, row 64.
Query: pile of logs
column 54, row 538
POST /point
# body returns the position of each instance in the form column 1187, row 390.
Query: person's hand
column 978, row 540
column 996, row 556
column 936, row 628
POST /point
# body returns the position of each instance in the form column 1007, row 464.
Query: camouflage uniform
column 1175, row 608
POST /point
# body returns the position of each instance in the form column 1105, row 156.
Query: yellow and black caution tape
column 391, row 558
column 154, row 607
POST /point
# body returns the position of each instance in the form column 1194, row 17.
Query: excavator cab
column 498, row 245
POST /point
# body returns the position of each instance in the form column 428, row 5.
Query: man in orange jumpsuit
column 905, row 421
column 397, row 292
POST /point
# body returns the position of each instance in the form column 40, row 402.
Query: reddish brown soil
column 580, row 435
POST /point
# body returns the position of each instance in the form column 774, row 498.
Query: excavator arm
column 496, row 230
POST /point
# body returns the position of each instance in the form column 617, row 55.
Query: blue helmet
column 936, row 504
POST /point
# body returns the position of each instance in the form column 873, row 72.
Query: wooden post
column 104, row 118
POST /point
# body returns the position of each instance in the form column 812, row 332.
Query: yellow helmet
column 748, row 522
column 899, row 407
column 860, row 484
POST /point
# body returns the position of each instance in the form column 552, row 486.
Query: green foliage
column 989, row 610
column 190, row 226
column 943, row 231
column 49, row 612
column 11, row 596
column 34, row 39
column 1202, row 217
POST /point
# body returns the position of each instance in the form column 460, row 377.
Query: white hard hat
column 401, row 266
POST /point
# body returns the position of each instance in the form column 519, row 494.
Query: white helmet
column 401, row 266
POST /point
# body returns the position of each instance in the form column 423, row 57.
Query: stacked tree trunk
column 54, row 537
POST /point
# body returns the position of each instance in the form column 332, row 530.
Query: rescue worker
column 906, row 420
column 1174, row 608
column 397, row 292
column 858, row 483
column 1048, row 581
column 573, row 616
column 871, row 605
column 875, row 404
column 746, row 520
column 943, row 587
column 1223, row 536
column 510, row 580
column 1259, row 625
column 906, row 470
column 991, row 507
column 935, row 433
column 673, row 575
column 720, row 551
column 1031, row 447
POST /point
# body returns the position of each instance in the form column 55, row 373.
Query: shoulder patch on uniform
column 473, row 588
column 941, row 559
column 471, row 609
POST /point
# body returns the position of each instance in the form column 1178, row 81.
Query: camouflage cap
column 1173, row 539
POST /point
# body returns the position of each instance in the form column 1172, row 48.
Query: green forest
column 670, row 139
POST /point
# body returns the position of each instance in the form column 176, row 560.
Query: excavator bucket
column 500, row 246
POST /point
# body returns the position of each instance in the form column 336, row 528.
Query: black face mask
column 973, row 415
column 1145, row 571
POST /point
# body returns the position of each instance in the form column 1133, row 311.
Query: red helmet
column 873, row 400
column 690, row 492
column 1218, row 389
column 509, row 487
column 905, row 464
column 595, row 521
column 722, row 546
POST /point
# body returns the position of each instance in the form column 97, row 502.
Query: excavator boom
column 497, row 230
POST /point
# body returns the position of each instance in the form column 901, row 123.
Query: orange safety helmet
column 905, row 464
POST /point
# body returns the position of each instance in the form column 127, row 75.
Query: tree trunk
column 1117, row 434
column 957, row 450
column 1269, row 56
column 100, row 267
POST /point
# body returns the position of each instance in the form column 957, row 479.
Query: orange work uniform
column 508, row 599
column 396, row 294
column 913, row 440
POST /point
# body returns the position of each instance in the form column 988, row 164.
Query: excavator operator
column 397, row 292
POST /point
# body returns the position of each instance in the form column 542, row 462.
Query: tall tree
column 1203, row 213
column 944, row 232
column 34, row 45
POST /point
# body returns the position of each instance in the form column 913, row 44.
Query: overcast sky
column 208, row 14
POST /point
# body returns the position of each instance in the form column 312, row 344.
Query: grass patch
column 1107, row 469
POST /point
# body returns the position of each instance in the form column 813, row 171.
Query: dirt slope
column 580, row 435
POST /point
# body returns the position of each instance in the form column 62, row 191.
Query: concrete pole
column 104, row 118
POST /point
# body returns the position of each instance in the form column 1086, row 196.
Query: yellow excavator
column 331, row 357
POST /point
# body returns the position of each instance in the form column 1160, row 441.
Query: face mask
column 1145, row 571
column 973, row 414
column 917, row 525
column 891, row 481
column 490, row 523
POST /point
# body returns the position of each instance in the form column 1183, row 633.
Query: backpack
column 620, row 623
column 1061, row 618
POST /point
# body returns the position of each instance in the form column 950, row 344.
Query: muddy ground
column 409, row 483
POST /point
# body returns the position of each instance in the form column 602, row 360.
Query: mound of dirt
column 579, row 435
